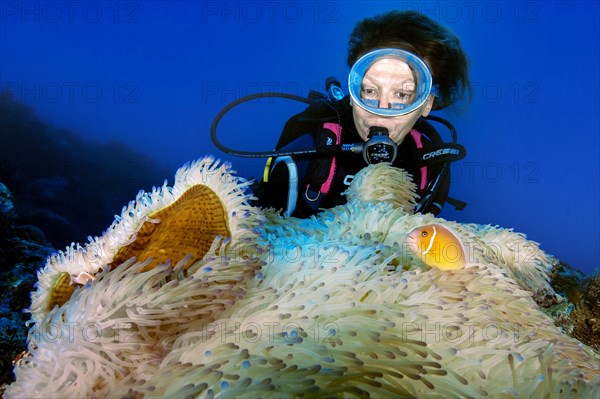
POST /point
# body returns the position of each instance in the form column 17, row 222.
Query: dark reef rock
column 23, row 250
column 7, row 209
column 591, row 288
column 587, row 315
column 567, row 281
column 579, row 314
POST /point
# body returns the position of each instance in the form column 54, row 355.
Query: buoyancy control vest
column 300, row 185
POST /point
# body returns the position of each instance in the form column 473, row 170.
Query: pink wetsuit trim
column 337, row 129
column 417, row 137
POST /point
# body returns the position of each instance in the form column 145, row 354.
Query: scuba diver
column 403, row 65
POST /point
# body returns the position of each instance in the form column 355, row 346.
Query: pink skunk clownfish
column 438, row 246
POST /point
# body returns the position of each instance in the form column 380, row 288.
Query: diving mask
column 389, row 82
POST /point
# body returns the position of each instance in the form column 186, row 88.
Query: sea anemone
column 331, row 306
column 381, row 183
column 166, row 225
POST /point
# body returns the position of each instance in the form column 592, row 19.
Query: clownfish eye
column 424, row 234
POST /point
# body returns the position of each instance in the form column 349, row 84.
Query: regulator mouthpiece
column 380, row 147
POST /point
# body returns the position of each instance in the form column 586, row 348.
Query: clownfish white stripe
column 430, row 241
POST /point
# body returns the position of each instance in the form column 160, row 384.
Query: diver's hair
column 414, row 32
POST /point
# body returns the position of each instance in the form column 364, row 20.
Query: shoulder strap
column 438, row 153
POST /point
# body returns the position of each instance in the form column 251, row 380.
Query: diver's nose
column 384, row 101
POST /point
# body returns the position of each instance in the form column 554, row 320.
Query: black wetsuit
column 301, row 131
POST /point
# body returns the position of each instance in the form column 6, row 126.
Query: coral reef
column 23, row 250
column 334, row 305
column 586, row 316
column 7, row 208
column 576, row 307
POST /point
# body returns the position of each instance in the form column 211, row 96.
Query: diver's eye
column 403, row 96
column 368, row 92
column 424, row 234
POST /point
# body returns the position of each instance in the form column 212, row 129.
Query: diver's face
column 389, row 82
